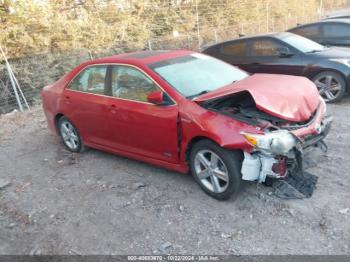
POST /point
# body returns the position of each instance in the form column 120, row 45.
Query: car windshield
column 196, row 74
column 303, row 44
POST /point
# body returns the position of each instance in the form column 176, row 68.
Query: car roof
column 141, row 57
column 278, row 35
column 326, row 21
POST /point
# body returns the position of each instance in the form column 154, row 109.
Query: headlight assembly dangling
column 279, row 142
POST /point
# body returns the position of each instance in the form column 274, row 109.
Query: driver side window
column 130, row 83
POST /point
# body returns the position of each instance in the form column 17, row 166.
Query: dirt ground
column 99, row 203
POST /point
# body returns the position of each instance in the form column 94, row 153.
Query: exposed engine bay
column 242, row 107
column 278, row 155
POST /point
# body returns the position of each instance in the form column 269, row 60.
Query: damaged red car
column 187, row 111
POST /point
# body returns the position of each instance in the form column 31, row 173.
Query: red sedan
column 187, row 111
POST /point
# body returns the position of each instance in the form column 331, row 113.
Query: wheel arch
column 231, row 162
column 57, row 118
column 191, row 143
column 196, row 139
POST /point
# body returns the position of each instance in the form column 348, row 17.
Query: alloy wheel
column 211, row 171
column 69, row 135
column 328, row 86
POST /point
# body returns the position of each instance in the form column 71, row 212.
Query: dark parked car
column 333, row 32
column 287, row 53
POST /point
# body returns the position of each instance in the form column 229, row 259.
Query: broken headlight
column 279, row 142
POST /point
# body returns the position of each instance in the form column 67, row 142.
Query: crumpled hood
column 292, row 98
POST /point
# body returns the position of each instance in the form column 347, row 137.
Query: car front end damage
column 282, row 155
column 281, row 149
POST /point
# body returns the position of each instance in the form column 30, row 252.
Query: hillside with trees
column 44, row 39
column 33, row 26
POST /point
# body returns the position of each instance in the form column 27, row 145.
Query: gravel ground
column 99, row 203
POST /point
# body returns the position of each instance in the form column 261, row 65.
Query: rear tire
column 70, row 135
column 331, row 85
column 216, row 170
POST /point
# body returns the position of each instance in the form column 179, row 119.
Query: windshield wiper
column 200, row 93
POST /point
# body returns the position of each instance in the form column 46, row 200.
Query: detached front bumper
column 259, row 164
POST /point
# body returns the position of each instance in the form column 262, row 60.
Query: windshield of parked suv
column 196, row 74
column 303, row 44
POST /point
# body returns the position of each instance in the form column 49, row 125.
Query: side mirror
column 156, row 97
column 284, row 52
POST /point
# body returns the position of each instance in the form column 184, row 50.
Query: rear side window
column 265, row 48
column 336, row 30
column 234, row 49
column 308, row 31
column 91, row 80
column 130, row 83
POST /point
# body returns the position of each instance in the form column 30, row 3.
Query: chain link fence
column 35, row 71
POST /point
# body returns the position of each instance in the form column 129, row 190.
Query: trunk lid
column 292, row 98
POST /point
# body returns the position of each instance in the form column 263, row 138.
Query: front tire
column 216, row 170
column 70, row 135
column 331, row 85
